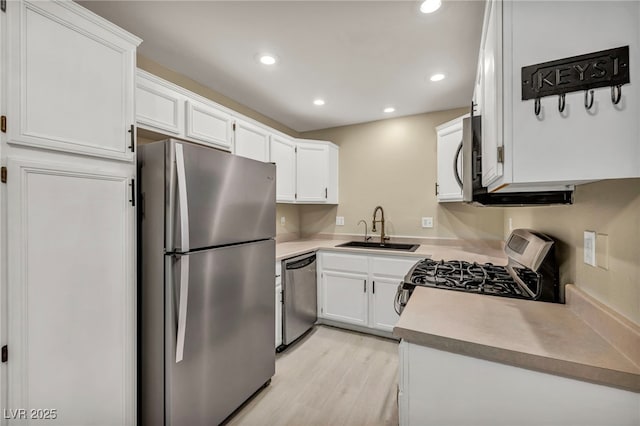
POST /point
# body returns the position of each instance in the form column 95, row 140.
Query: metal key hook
column 588, row 99
column 536, row 106
column 616, row 94
column 561, row 102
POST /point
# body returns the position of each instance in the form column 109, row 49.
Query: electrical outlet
column 427, row 222
column 283, row 220
column 510, row 224
column 340, row 220
column 590, row 248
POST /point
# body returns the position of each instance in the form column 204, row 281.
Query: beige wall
column 608, row 207
column 392, row 163
column 291, row 228
column 192, row 85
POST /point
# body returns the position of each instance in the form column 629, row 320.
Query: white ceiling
column 359, row 56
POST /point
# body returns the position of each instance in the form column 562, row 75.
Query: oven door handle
column 456, row 174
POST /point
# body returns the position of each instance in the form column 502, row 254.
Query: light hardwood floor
column 331, row 377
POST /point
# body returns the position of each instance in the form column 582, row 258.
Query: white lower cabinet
column 71, row 290
column 344, row 297
column 359, row 289
column 383, row 292
column 487, row 393
column 278, row 304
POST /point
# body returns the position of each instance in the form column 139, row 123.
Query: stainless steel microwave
column 471, row 181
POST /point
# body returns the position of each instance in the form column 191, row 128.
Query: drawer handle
column 365, row 286
column 373, row 287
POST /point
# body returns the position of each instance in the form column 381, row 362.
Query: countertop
column 451, row 250
column 546, row 337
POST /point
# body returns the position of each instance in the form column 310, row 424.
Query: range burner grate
column 470, row 277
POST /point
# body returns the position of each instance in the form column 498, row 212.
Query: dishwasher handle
column 299, row 264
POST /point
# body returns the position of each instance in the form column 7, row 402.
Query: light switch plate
column 590, row 248
column 283, row 220
column 427, row 222
column 340, row 220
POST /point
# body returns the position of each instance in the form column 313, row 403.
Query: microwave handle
column 456, row 174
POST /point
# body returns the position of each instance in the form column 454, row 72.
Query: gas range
column 531, row 273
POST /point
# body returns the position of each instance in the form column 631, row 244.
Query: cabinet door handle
column 131, row 130
column 326, row 193
column 373, row 287
column 365, row 286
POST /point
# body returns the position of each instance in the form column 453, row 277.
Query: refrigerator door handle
column 182, row 200
column 182, row 307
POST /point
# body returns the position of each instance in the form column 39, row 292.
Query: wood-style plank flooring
column 330, row 377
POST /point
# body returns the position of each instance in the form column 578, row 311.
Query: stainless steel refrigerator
column 207, row 267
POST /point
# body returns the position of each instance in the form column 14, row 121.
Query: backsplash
column 290, row 230
column 608, row 207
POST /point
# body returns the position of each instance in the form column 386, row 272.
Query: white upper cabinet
column 165, row 108
column 491, row 92
column 251, row 141
column 317, row 172
column 282, row 152
column 307, row 170
column 158, row 107
column 208, row 124
column 555, row 149
column 70, row 79
column 450, row 160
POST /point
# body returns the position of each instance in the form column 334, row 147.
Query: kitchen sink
column 385, row 246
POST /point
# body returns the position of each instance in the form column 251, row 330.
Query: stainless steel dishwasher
column 299, row 298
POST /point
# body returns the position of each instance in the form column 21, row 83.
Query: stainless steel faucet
column 383, row 237
column 365, row 229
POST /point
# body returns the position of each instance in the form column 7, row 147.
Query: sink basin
column 385, row 246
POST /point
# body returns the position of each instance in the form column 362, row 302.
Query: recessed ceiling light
column 267, row 59
column 437, row 77
column 389, row 109
column 430, row 6
column 318, row 102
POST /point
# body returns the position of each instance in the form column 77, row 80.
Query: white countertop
column 478, row 253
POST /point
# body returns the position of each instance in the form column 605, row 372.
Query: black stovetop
column 484, row 278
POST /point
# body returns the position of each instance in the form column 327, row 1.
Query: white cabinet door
column 70, row 79
column 344, row 297
column 158, row 107
column 208, row 124
column 278, row 313
column 283, row 153
column 449, row 153
column 251, row 141
column 491, row 56
column 312, row 165
column 383, row 292
column 426, row 374
column 71, row 293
